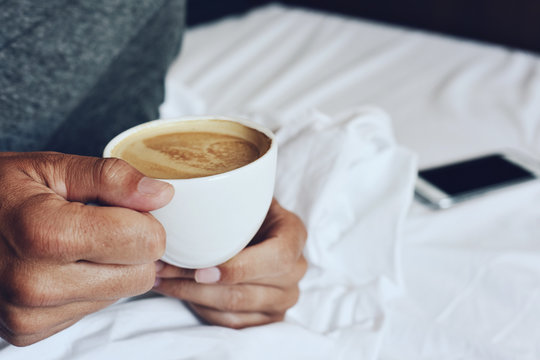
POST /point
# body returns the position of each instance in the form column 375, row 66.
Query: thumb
column 113, row 182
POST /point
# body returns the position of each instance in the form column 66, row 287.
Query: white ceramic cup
column 210, row 219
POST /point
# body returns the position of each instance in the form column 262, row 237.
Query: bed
column 358, row 107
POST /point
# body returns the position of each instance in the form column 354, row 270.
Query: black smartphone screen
column 475, row 175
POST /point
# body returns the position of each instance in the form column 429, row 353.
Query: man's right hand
column 61, row 259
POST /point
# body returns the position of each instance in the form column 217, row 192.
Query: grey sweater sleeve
column 73, row 73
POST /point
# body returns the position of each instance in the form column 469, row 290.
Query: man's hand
column 255, row 287
column 61, row 259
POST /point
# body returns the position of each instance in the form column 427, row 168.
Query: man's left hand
column 255, row 287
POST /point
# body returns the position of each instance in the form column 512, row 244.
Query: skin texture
column 61, row 259
column 255, row 287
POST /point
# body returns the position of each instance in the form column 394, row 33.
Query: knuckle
column 13, row 339
column 302, row 266
column 299, row 229
column 35, row 233
column 27, row 290
column 144, row 282
column 303, row 236
column 294, row 296
column 234, row 272
column 234, row 299
column 21, row 324
column 47, row 162
column 303, row 233
column 107, row 226
column 290, row 258
column 110, row 170
column 287, row 258
column 233, row 321
column 27, row 295
column 276, row 317
column 21, row 341
column 288, row 298
column 155, row 242
column 179, row 288
column 27, row 231
column 44, row 244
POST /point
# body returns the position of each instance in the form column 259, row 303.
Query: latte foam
column 192, row 149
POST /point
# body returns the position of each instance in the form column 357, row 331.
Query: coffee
column 192, row 149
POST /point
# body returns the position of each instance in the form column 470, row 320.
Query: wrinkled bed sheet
column 388, row 278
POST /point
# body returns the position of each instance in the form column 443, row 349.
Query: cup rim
column 273, row 143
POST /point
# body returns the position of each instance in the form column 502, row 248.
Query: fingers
column 61, row 259
column 104, row 181
column 293, row 276
column 255, row 287
column 296, row 272
column 168, row 271
column 29, row 287
column 126, row 238
column 43, row 225
column 24, row 326
column 25, row 340
column 105, row 282
column 47, row 227
column 226, row 298
column 284, row 239
column 277, row 251
column 112, row 235
column 235, row 320
column 114, row 182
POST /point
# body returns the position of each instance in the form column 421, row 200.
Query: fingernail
column 157, row 282
column 149, row 186
column 159, row 265
column 208, row 275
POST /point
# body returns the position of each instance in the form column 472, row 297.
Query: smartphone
column 444, row 186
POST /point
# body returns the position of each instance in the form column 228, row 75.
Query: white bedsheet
column 470, row 274
column 387, row 280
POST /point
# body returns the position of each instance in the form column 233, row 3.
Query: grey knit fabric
column 74, row 73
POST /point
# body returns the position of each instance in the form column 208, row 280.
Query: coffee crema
column 191, row 149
